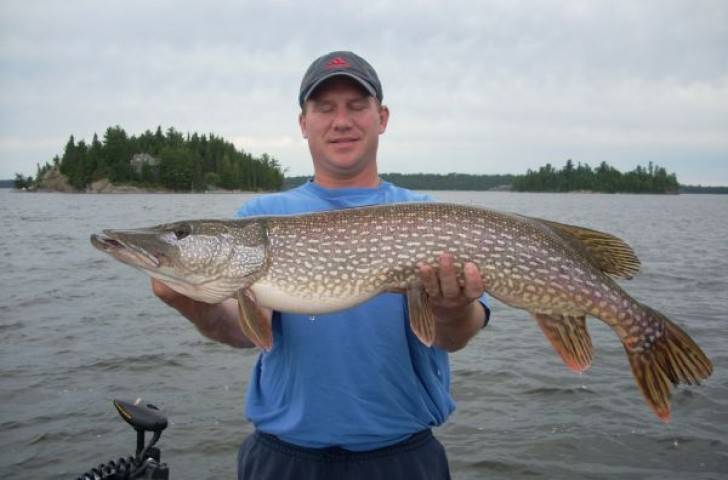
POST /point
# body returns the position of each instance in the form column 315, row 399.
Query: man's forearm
column 217, row 322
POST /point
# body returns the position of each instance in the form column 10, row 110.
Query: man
column 352, row 394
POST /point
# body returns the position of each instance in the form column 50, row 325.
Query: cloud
column 477, row 87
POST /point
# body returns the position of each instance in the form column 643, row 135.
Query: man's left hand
column 458, row 314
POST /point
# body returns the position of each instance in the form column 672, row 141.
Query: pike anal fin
column 569, row 337
column 421, row 318
column 254, row 325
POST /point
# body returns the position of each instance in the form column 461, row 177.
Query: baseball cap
column 338, row 63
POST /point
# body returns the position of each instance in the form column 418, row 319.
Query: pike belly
column 270, row 295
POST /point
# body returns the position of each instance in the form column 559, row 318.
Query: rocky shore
column 55, row 181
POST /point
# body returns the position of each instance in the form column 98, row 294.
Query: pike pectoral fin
column 421, row 319
column 252, row 322
column 569, row 337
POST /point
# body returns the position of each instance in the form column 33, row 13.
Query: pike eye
column 182, row 230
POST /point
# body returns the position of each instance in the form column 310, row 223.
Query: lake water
column 79, row 329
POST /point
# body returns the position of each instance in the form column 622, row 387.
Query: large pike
column 323, row 262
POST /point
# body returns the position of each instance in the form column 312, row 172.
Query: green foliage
column 604, row 178
column 186, row 162
column 42, row 170
column 451, row 181
column 702, row 189
column 212, row 179
column 22, row 182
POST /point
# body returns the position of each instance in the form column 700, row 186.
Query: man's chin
column 348, row 161
column 344, row 150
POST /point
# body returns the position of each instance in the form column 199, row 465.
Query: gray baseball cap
column 338, row 63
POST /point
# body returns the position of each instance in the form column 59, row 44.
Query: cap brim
column 360, row 80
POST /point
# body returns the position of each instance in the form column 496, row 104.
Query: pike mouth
column 124, row 252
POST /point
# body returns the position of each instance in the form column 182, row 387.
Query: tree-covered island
column 603, row 179
column 168, row 160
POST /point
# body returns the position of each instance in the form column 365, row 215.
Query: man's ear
column 383, row 118
column 302, row 124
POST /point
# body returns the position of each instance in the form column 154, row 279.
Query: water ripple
column 78, row 330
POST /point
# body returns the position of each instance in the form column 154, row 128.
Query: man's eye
column 324, row 108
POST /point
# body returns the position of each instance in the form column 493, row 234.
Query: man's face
column 342, row 124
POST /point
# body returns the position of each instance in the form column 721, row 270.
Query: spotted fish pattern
column 327, row 261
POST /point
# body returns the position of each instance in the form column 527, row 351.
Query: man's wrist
column 455, row 315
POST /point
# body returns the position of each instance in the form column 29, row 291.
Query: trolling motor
column 146, row 463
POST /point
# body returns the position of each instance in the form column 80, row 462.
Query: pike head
column 207, row 260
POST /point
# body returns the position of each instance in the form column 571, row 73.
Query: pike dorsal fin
column 421, row 318
column 608, row 253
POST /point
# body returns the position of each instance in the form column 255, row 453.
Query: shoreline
column 122, row 190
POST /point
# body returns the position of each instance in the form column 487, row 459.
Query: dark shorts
column 265, row 457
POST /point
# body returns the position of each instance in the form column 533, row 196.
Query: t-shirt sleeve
column 250, row 208
column 486, row 305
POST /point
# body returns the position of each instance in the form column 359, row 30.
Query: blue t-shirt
column 358, row 379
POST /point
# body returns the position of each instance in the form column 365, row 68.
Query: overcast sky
column 479, row 87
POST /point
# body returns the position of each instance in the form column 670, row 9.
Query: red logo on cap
column 338, row 62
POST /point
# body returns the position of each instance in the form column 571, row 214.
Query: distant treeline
column 702, row 189
column 432, row 181
column 451, row 181
column 172, row 160
column 604, row 178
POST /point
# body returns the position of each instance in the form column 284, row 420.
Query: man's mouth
column 343, row 140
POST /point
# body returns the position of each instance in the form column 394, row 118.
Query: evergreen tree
column 77, row 175
column 97, row 166
column 69, row 158
column 116, row 149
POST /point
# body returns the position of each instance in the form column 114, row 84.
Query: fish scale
column 327, row 261
column 419, row 234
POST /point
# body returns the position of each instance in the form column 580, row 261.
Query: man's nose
column 342, row 119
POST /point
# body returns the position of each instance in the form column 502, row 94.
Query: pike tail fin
column 673, row 358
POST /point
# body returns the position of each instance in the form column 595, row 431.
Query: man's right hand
column 218, row 322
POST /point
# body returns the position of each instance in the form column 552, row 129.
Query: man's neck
column 362, row 180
